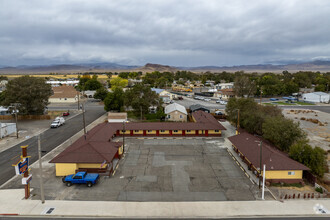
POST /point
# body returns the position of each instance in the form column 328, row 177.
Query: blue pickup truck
column 81, row 178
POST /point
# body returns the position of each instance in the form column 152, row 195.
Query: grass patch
column 305, row 103
column 267, row 103
column 283, row 103
column 54, row 114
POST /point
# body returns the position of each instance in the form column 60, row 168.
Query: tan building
column 176, row 112
column 64, row 94
column 117, row 116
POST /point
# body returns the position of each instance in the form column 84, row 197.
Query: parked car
column 222, row 102
column 180, row 98
column 273, row 99
column 81, row 178
column 57, row 122
column 218, row 113
column 66, row 113
column 207, row 100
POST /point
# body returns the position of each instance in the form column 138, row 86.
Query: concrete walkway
column 12, row 203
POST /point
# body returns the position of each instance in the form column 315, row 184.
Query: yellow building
column 279, row 167
column 87, row 155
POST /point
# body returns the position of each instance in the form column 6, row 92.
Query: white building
column 67, row 82
column 316, row 97
column 7, row 129
column 176, row 112
column 220, row 86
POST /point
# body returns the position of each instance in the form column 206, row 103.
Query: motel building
column 97, row 152
column 279, row 167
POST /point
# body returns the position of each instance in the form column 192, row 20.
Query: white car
column 221, row 102
column 57, row 122
column 207, row 100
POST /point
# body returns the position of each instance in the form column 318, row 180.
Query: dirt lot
column 316, row 125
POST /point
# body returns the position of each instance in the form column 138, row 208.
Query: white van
column 57, row 122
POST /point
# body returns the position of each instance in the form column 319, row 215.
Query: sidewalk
column 12, row 203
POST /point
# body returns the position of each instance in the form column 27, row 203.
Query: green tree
column 114, row 101
column 282, row 132
column 252, row 115
column 82, row 81
column 118, row 82
column 101, row 93
column 140, row 98
column 92, row 84
column 32, row 93
column 315, row 158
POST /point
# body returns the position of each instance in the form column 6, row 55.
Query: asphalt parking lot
column 195, row 169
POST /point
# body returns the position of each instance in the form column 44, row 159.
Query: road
column 103, row 218
column 50, row 139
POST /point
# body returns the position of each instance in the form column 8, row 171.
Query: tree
column 92, row 84
column 114, row 101
column 243, row 86
column 118, row 83
column 32, row 93
column 252, row 115
column 140, row 98
column 315, row 158
column 82, row 81
column 282, row 132
column 101, row 93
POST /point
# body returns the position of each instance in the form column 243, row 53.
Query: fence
column 25, row 117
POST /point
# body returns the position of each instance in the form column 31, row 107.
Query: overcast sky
column 177, row 33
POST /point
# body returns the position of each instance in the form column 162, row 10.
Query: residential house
column 225, row 94
column 221, row 86
column 117, row 117
column 279, row 167
column 198, row 107
column 64, row 94
column 176, row 112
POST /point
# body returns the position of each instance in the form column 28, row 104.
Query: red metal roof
column 274, row 159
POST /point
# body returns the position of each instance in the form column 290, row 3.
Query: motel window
column 65, row 98
column 149, row 130
column 188, row 130
column 216, row 130
column 162, row 130
column 168, row 116
column 290, row 173
column 136, row 130
column 181, row 116
column 175, row 130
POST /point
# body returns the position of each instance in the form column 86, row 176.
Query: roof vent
column 272, row 167
column 270, row 159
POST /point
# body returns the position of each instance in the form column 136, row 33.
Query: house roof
column 97, row 146
column 175, row 107
column 274, row 159
column 87, row 151
column 227, row 91
column 64, row 92
column 117, row 115
column 197, row 106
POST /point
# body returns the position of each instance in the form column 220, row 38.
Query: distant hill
column 65, row 68
column 149, row 67
column 317, row 65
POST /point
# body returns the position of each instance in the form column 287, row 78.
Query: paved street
column 49, row 140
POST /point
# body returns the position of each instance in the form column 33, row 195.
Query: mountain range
column 317, row 65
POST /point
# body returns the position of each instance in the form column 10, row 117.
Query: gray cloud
column 181, row 33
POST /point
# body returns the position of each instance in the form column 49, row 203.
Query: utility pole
column 124, row 131
column 141, row 112
column 15, row 105
column 260, row 164
column 83, row 109
column 260, row 94
column 40, row 172
column 78, row 100
column 237, row 119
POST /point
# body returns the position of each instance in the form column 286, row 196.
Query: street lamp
column 260, row 154
column 124, row 131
